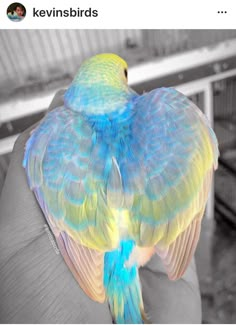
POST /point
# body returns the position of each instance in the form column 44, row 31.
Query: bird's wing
column 166, row 175
column 67, row 168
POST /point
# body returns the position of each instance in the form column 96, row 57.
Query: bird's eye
column 126, row 73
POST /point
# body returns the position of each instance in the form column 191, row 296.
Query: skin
column 36, row 285
column 19, row 11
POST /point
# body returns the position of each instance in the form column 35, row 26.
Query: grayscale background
column 34, row 64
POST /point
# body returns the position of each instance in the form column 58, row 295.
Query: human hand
column 35, row 283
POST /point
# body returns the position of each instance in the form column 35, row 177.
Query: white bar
column 179, row 62
column 6, row 145
column 208, row 107
column 208, row 100
column 191, row 88
column 200, row 85
column 15, row 109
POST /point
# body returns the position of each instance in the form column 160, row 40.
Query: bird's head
column 103, row 69
column 100, row 85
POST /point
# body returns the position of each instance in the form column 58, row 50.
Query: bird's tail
column 122, row 286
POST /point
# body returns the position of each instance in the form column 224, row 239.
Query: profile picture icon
column 16, row 12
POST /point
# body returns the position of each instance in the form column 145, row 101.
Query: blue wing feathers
column 151, row 141
column 144, row 153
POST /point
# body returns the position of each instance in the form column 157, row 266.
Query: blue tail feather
column 122, row 285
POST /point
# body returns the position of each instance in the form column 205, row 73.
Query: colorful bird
column 121, row 176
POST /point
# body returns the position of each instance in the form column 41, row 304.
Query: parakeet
column 119, row 177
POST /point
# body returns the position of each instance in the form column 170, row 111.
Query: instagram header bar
column 123, row 14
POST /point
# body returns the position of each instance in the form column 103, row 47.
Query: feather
column 85, row 264
column 114, row 186
column 120, row 176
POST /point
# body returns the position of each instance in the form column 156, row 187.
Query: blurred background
column 34, row 64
